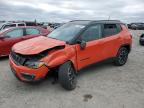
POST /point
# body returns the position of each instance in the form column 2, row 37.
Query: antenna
column 109, row 18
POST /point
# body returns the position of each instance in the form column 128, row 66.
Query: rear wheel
column 121, row 57
column 67, row 76
column 141, row 43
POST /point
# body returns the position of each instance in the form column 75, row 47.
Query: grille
column 18, row 59
column 22, row 59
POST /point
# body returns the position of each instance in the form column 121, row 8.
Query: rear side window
column 21, row 25
column 30, row 31
column 15, row 33
column 31, row 24
column 92, row 33
column 111, row 29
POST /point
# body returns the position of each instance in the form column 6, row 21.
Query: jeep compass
column 70, row 48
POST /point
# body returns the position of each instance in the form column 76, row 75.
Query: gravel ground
column 99, row 86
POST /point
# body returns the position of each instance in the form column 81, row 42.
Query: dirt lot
column 99, row 86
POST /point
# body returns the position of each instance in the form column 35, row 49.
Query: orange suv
column 70, row 48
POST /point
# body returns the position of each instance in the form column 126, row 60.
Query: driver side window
column 15, row 33
column 92, row 33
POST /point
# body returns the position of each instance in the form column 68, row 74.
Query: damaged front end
column 32, row 61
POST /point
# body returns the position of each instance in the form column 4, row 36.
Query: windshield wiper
column 67, row 42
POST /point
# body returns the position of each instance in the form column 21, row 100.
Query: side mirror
column 82, row 44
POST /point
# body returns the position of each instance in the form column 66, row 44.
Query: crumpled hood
column 36, row 45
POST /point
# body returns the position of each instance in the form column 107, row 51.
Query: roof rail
column 80, row 20
column 98, row 21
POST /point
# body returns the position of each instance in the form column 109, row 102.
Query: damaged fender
column 56, row 58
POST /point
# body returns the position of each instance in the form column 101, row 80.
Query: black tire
column 141, row 43
column 121, row 57
column 67, row 76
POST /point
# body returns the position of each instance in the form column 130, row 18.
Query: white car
column 8, row 25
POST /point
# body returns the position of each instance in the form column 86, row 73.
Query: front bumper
column 27, row 74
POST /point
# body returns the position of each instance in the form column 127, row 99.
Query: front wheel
column 67, row 76
column 121, row 57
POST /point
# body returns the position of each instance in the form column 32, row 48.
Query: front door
column 93, row 50
column 12, row 37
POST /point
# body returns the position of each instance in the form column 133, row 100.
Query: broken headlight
column 34, row 65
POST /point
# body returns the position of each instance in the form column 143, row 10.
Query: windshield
column 66, row 32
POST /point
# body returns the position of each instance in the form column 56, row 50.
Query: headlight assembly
column 35, row 65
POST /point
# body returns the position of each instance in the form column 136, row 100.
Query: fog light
column 27, row 76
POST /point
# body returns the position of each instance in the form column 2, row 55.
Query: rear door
column 12, row 37
column 111, row 39
column 93, row 51
column 31, row 33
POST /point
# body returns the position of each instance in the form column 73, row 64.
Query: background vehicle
column 18, row 24
column 141, row 41
column 10, row 36
column 70, row 48
column 8, row 25
column 32, row 23
column 56, row 25
column 136, row 26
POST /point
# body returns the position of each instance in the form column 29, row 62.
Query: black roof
column 82, row 22
column 86, row 22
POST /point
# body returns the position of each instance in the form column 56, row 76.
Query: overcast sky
column 65, row 10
